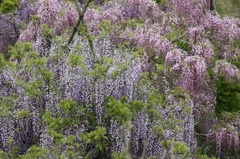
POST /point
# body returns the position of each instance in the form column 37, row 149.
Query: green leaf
column 68, row 105
column 3, row 155
column 97, row 137
column 20, row 49
column 22, row 114
column 118, row 109
column 7, row 104
column 34, row 152
column 75, row 60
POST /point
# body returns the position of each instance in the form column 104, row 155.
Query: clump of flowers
column 56, row 14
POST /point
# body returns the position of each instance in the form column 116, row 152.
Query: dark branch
column 80, row 19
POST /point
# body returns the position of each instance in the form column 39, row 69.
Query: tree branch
column 78, row 7
column 80, row 19
column 179, row 38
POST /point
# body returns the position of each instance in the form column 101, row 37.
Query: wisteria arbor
column 121, row 79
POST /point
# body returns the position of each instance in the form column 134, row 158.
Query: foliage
column 96, row 137
column 228, row 95
column 34, row 152
column 120, row 110
column 229, row 8
column 8, row 6
column 175, row 147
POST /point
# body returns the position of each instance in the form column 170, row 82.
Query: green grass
column 228, row 7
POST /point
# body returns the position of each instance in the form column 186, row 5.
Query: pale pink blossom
column 57, row 14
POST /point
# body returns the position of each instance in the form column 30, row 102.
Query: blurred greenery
column 7, row 6
column 228, row 7
column 228, row 95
